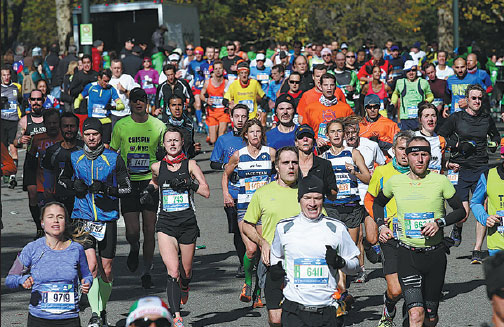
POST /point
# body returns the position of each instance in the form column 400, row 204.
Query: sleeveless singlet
column 382, row 94
column 216, row 93
column 348, row 190
column 33, row 128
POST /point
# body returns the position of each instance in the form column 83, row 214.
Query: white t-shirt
column 129, row 84
column 417, row 56
column 444, row 74
column 309, row 280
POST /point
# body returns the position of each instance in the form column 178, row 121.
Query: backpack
column 28, row 83
column 420, row 90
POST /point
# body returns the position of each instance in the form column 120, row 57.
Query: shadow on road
column 455, row 289
column 220, row 318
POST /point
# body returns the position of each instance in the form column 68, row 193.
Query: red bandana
column 176, row 160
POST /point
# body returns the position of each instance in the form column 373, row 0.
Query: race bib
column 413, row 223
column 395, row 227
column 343, row 88
column 253, row 183
column 322, row 131
column 453, row 177
column 12, row 107
column 263, row 78
column 500, row 227
column 138, row 162
column 57, row 298
column 435, row 168
column 217, row 101
column 249, row 104
column 311, row 271
column 96, row 229
column 412, row 112
column 174, row 201
column 99, row 111
column 437, row 102
column 343, row 182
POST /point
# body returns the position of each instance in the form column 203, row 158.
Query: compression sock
column 248, row 265
column 173, row 294
column 94, row 297
column 199, row 116
column 389, row 305
column 35, row 212
column 147, row 268
column 105, row 290
column 239, row 246
column 184, row 282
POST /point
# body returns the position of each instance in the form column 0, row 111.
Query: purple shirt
column 148, row 79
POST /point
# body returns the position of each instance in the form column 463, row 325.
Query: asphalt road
column 213, row 300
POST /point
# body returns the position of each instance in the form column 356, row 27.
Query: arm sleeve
column 19, row 272
column 123, row 179
column 84, row 268
column 493, row 132
column 458, row 212
column 478, row 200
column 447, row 129
column 329, row 179
column 379, row 208
column 65, row 178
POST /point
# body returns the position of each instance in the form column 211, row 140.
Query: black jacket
column 79, row 81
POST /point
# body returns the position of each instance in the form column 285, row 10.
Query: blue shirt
column 99, row 98
column 457, row 88
column 273, row 88
column 195, row 68
column 483, row 78
column 277, row 139
column 55, row 270
column 224, row 148
column 262, row 76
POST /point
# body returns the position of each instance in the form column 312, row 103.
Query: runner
column 96, row 209
column 212, row 93
column 442, row 70
column 381, row 89
column 224, row 148
column 421, row 219
column 10, row 116
column 283, row 134
column 457, row 85
column 148, row 78
column 101, row 95
column 346, row 81
column 410, row 91
column 269, row 204
column 277, row 79
column 310, row 300
column 388, row 246
column 172, row 85
column 441, row 96
column 34, row 269
column 197, row 75
column 427, row 117
column 56, row 157
column 467, row 134
column 260, row 72
column 177, row 179
column 147, row 311
column 137, row 138
column 230, row 61
column 123, row 83
column 253, row 164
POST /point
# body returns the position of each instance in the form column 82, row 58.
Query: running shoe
column 348, row 299
column 246, row 292
column 146, row 281
column 386, row 320
column 361, row 277
column 184, row 295
column 372, row 252
column 477, row 257
column 240, row 273
column 12, row 182
column 258, row 302
column 95, row 321
column 178, row 322
column 456, row 235
column 132, row 261
column 103, row 316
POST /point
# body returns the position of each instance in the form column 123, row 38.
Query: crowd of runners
column 331, row 154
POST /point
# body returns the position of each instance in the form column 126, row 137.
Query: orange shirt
column 317, row 115
column 313, row 95
column 383, row 128
column 38, row 147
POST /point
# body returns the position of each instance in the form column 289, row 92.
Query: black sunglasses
column 350, row 56
column 476, row 98
column 189, row 49
column 36, row 99
column 373, row 106
column 144, row 322
column 295, row 82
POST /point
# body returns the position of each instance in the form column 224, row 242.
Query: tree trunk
column 63, row 16
column 445, row 27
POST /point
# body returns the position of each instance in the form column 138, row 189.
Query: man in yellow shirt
column 246, row 91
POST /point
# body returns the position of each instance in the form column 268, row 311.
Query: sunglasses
column 476, row 98
column 36, row 99
column 147, row 61
column 350, row 56
column 326, row 55
column 294, row 82
column 189, row 49
column 373, row 106
column 144, row 322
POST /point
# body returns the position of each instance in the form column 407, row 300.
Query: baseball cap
column 130, row 39
column 305, row 129
column 284, row 98
column 394, row 48
column 174, row 57
column 149, row 305
column 283, row 54
column 260, row 57
column 310, row 184
column 137, row 93
column 147, row 58
column 371, row 99
column 199, row 50
column 408, row 65
column 37, row 51
column 325, row 51
column 344, row 45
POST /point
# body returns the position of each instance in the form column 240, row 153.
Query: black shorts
column 29, row 177
column 273, row 296
column 185, row 233
column 232, row 219
column 351, row 216
column 40, row 322
column 389, row 254
column 422, row 275
column 467, row 181
column 292, row 316
column 8, row 131
column 107, row 133
column 131, row 202
column 107, row 246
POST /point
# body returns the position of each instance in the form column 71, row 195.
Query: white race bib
column 173, row 201
column 311, row 271
column 138, row 162
column 99, row 111
column 57, row 298
column 96, row 229
column 249, row 104
column 343, row 182
column 453, row 177
column 414, row 222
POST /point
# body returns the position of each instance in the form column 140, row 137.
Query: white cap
column 174, row 57
column 260, row 56
column 408, row 65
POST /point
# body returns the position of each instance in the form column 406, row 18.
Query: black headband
column 417, row 148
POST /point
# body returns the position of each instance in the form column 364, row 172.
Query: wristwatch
column 441, row 222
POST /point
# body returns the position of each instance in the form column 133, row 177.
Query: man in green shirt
column 420, row 198
column 270, row 204
column 137, row 137
column 410, row 91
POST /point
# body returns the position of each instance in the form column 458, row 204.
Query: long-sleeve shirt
column 55, row 274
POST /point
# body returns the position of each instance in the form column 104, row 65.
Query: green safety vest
column 495, row 193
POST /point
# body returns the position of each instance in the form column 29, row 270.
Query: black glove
column 145, row 196
column 333, row 259
column 80, row 188
column 234, row 178
column 183, row 184
column 466, row 148
column 277, row 272
column 98, row 187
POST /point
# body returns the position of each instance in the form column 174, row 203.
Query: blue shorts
column 467, row 181
column 493, row 252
